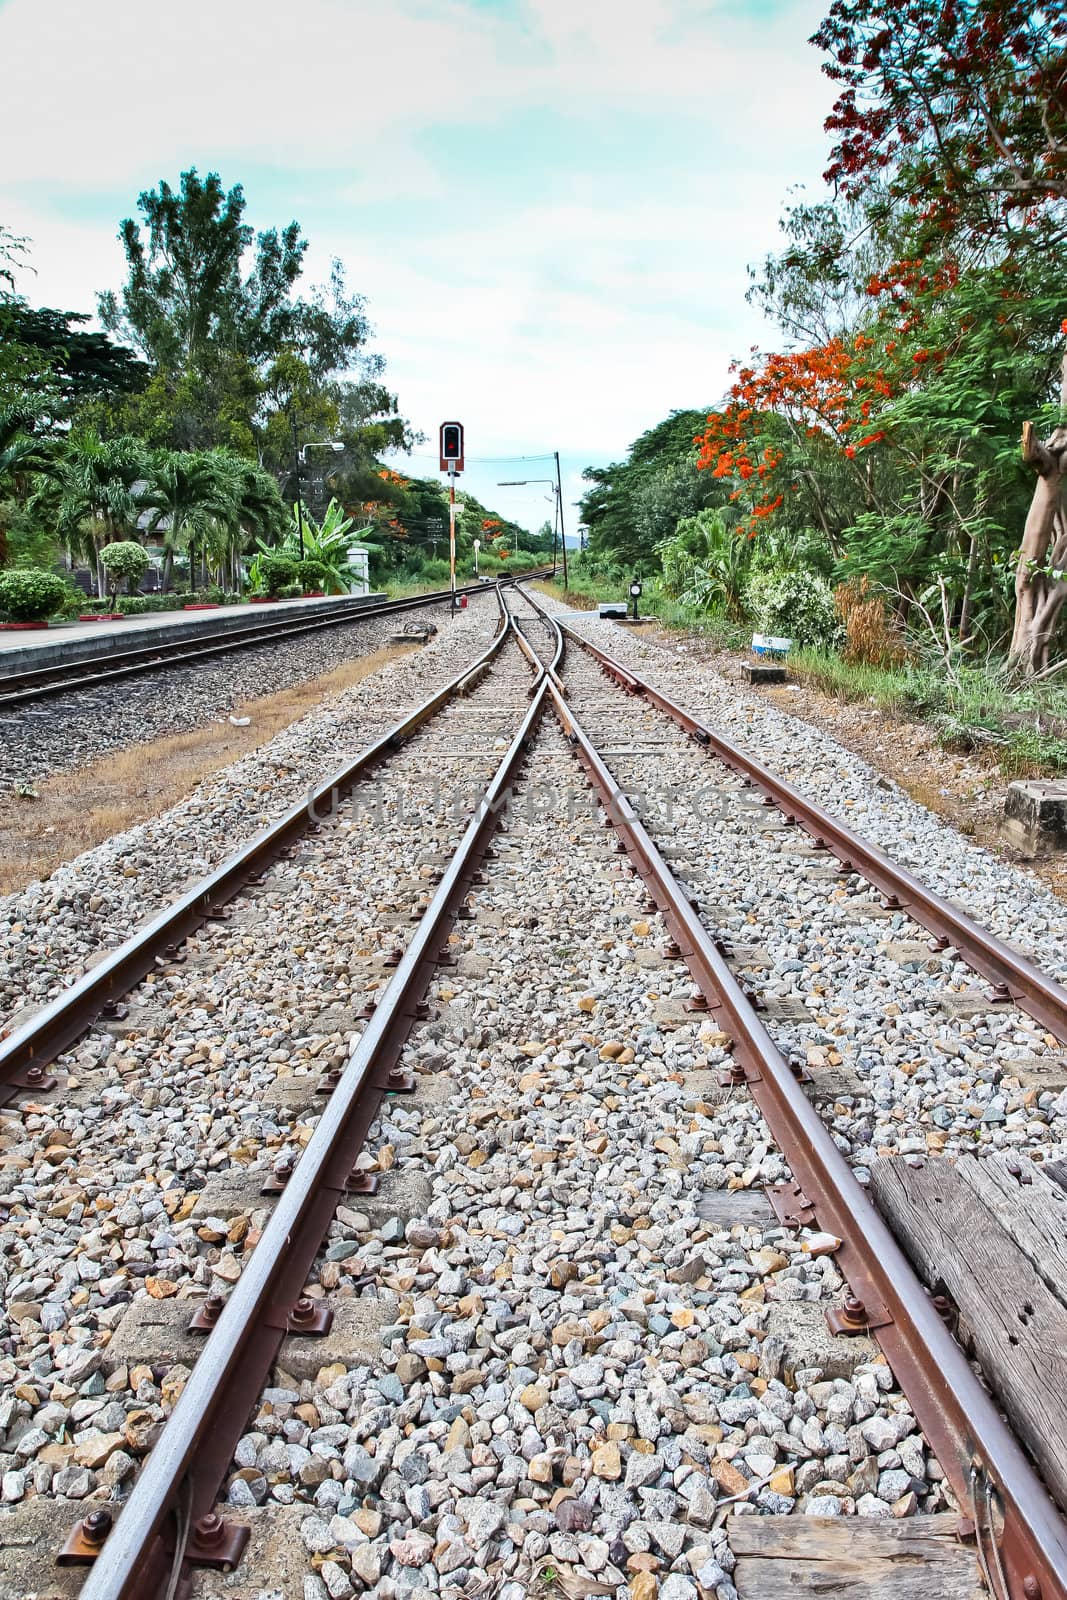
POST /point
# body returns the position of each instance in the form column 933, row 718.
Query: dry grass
column 872, row 636
column 82, row 808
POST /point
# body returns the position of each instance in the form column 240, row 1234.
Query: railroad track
column 26, row 688
column 171, row 1523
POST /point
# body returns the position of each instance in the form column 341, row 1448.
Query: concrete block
column 966, row 1003
column 295, row 1094
column 806, row 1341
column 671, row 1014
column 1039, row 1072
column 233, row 1193
column 156, row 1333
column 731, row 1208
column 400, row 1194
column 433, row 1088
column 783, row 1009
column 704, row 1086
column 275, row 1561
column 1035, row 815
column 760, row 673
column 30, row 1537
column 836, row 1083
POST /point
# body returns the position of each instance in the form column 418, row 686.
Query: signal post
column 452, row 463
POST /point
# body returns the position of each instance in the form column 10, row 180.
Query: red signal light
column 451, row 447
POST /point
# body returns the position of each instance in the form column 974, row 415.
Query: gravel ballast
column 70, row 730
column 584, row 1364
column 49, row 930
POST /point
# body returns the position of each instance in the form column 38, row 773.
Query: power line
column 479, row 461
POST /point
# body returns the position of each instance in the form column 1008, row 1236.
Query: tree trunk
column 968, row 591
column 168, row 569
column 1039, row 596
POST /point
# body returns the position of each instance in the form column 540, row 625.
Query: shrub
column 126, row 562
column 313, row 574
column 290, row 591
column 796, row 605
column 871, row 640
column 272, row 573
column 30, row 594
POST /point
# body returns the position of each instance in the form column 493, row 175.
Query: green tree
column 48, row 355
column 635, row 504
column 191, row 494
column 124, row 562
column 87, row 487
column 234, row 351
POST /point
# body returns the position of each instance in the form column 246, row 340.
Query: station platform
column 26, row 651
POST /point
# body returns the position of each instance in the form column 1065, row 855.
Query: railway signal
column 452, row 462
column 451, row 447
column 635, row 595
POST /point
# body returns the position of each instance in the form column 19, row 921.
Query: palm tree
column 20, row 451
column 87, row 487
column 189, row 493
column 20, row 454
column 257, row 512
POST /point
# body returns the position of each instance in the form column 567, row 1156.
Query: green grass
column 1023, row 729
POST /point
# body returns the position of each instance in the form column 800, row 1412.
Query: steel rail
column 1013, row 976
column 528, row 650
column 22, row 688
column 970, row 1438
column 188, row 1465
column 27, row 1051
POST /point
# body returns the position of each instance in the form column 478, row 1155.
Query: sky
column 549, row 205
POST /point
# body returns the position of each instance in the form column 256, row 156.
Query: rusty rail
column 1016, row 1526
column 170, row 1517
column 1013, row 977
column 26, row 1053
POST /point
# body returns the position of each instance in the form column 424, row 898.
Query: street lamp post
column 477, row 547
column 557, row 492
column 300, row 460
column 296, row 483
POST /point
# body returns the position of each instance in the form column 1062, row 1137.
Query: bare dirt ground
column 965, row 790
column 75, row 810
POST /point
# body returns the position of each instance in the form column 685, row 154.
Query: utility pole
column 296, row 485
column 562, row 529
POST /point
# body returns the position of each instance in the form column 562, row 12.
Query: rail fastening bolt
column 737, row 1073
column 213, row 1307
column 943, row 1306
column 304, row 1309
column 1031, row 1587
column 34, row 1074
column 210, row 1529
column 96, row 1527
column 854, row 1312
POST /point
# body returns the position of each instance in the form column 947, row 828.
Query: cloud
column 549, row 204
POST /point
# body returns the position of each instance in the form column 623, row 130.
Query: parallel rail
column 26, row 1053
column 25, row 688
column 169, row 1523
column 1021, row 1539
column 1013, row 977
